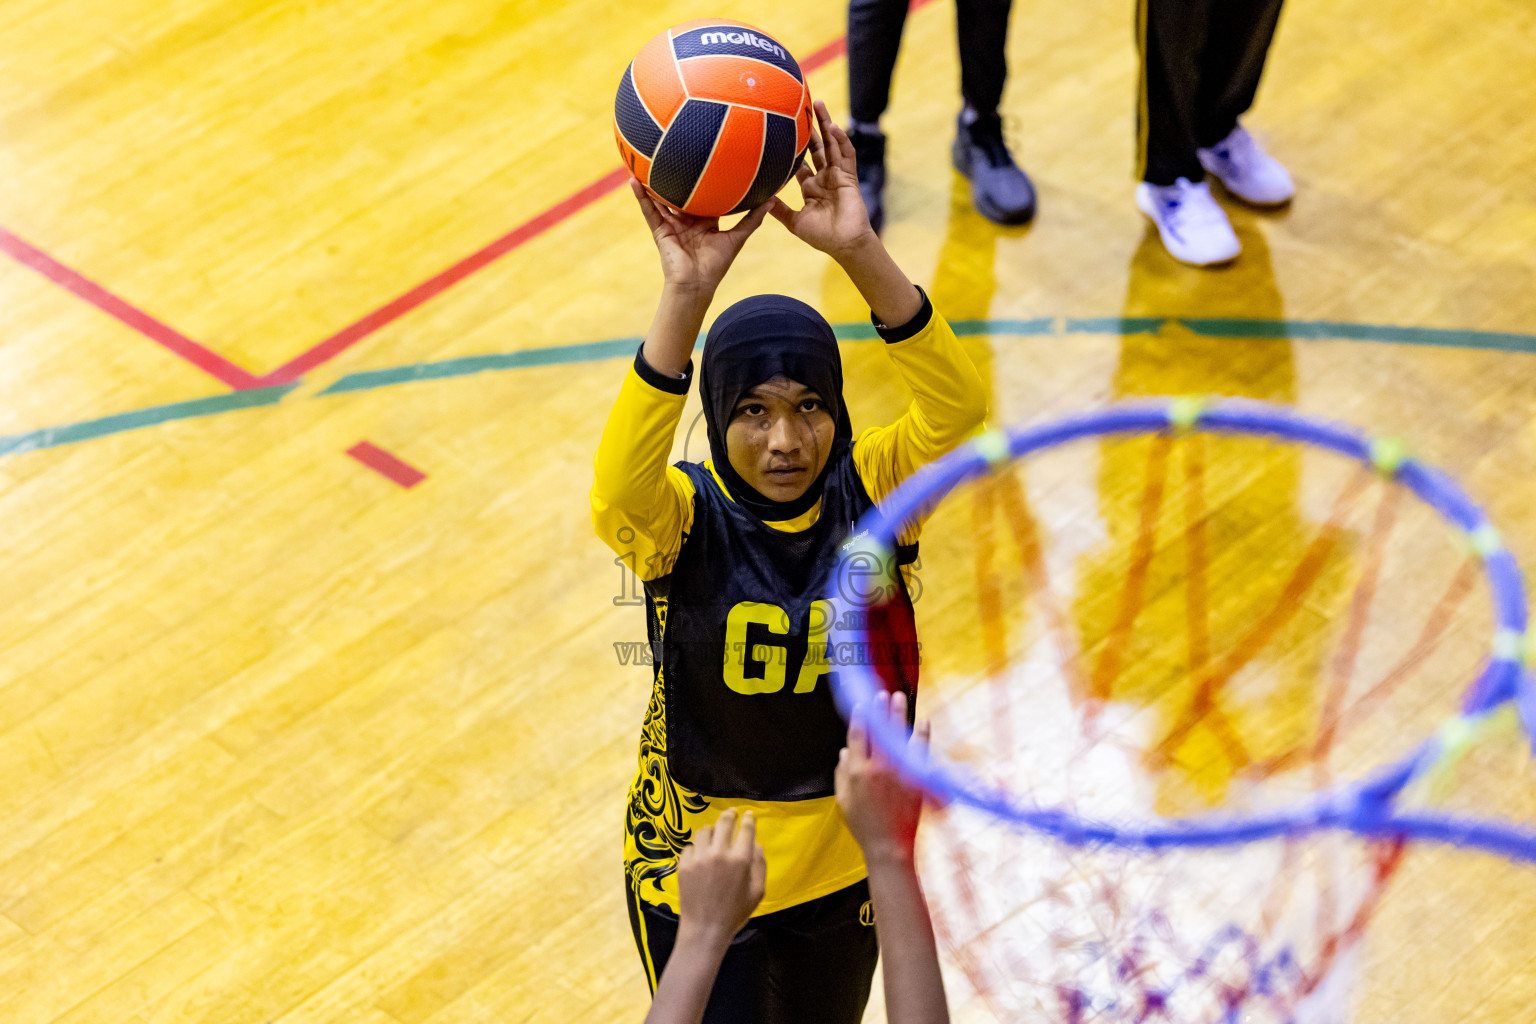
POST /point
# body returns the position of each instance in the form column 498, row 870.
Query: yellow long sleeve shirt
column 643, row 509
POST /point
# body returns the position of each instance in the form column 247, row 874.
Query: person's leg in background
column 1001, row 191
column 1172, row 36
column 1236, row 47
column 874, row 39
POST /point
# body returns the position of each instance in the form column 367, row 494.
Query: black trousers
column 874, row 36
column 1200, row 67
column 808, row 964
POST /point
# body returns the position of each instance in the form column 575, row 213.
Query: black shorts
column 807, row 964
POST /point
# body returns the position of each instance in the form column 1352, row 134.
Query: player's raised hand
column 721, row 877
column 833, row 217
column 720, row 880
column 695, row 251
column 881, row 809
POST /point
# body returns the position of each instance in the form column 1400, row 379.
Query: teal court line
column 593, row 351
column 557, row 355
column 86, row 430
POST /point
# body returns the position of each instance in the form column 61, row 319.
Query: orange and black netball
column 713, row 117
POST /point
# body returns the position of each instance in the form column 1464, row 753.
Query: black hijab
column 754, row 341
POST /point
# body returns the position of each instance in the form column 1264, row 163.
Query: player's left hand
column 833, row 217
column 721, row 877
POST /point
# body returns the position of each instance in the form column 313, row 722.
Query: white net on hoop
column 1044, row 931
column 1210, row 626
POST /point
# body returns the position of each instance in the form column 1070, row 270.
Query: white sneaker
column 1248, row 172
column 1193, row 228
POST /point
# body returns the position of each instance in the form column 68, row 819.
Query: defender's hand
column 721, row 877
column 695, row 252
column 881, row 809
column 833, row 217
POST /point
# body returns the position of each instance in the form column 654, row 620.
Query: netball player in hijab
column 736, row 554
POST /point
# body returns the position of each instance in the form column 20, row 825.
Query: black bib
column 741, row 625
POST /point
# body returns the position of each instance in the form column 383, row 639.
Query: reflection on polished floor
column 287, row 739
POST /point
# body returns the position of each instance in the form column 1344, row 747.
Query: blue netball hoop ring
column 1366, row 807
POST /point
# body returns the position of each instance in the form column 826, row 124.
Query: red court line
column 217, row 366
column 391, row 466
column 434, row 286
column 833, row 50
column 72, row 280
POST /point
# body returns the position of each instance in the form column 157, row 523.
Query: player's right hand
column 695, row 252
column 721, row 877
column 833, row 217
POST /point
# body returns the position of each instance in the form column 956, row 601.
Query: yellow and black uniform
column 741, row 712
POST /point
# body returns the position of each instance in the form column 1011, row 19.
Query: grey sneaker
column 1001, row 191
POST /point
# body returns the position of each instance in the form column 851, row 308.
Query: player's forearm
column 891, row 295
column 947, row 392
column 949, row 402
column 675, row 327
column 684, row 988
column 914, row 988
column 631, row 459
column 636, row 509
column 631, row 462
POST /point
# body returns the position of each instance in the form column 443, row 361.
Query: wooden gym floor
column 284, row 739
